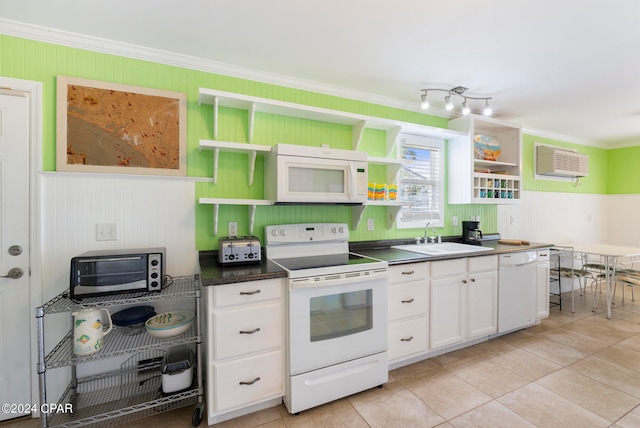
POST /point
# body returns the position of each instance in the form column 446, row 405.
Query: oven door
column 316, row 180
column 337, row 319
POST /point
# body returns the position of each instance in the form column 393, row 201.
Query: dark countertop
column 394, row 256
column 214, row 274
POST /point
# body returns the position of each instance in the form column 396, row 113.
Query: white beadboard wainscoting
column 557, row 218
column 623, row 214
column 148, row 212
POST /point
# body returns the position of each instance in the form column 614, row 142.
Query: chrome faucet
column 427, row 238
column 426, row 232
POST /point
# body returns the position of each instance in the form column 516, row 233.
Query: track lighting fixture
column 459, row 91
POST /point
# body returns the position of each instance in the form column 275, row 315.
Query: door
column 340, row 320
column 16, row 312
column 447, row 303
column 482, row 300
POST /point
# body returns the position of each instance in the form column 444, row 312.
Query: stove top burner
column 327, row 260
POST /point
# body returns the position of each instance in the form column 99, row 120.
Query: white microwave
column 315, row 175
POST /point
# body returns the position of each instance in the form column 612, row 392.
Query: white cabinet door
column 446, row 314
column 482, row 299
column 542, row 290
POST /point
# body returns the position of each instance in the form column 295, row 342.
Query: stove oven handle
column 336, row 280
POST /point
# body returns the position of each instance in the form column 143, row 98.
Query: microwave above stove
column 315, row 175
column 105, row 272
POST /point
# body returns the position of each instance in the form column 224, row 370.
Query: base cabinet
column 245, row 342
column 408, row 306
column 464, row 300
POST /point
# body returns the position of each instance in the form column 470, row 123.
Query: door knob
column 14, row 273
column 15, row 250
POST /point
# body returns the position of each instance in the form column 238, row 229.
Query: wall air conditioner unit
column 561, row 162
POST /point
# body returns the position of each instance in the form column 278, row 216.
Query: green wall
column 624, row 171
column 32, row 60
column 595, row 182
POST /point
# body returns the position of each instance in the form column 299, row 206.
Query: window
column 421, row 182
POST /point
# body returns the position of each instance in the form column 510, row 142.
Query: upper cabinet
column 485, row 166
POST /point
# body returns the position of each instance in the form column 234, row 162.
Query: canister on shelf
column 392, row 190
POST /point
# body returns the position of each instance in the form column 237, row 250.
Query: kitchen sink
column 442, row 249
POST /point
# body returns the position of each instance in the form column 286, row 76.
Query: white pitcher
column 88, row 330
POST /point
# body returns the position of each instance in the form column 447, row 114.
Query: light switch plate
column 369, row 224
column 106, row 232
column 233, row 228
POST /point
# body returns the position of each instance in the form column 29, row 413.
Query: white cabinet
column 245, row 339
column 542, row 284
column 464, row 299
column 408, row 305
column 485, row 177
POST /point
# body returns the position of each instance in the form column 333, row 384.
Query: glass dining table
column 612, row 256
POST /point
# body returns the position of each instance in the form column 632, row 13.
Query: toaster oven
column 105, row 272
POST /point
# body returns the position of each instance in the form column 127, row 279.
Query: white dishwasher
column 517, row 290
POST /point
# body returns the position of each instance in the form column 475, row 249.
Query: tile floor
column 573, row 370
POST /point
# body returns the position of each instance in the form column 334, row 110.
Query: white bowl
column 169, row 324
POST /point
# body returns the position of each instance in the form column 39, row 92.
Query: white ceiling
column 567, row 67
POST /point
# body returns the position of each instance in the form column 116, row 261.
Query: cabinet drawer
column 241, row 382
column 235, row 332
column 449, row 267
column 407, row 300
column 247, row 292
column 407, row 338
column 479, row 264
column 410, row 272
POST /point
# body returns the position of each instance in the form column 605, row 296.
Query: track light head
column 448, row 104
column 487, row 109
column 425, row 103
column 465, row 108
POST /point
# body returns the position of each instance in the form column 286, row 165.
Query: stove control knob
column 283, row 232
column 341, row 230
column 333, row 230
column 274, row 232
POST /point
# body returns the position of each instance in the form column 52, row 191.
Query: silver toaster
column 238, row 249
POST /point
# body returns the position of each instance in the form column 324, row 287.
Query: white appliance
column 322, row 175
column 561, row 162
column 336, row 314
column 517, row 290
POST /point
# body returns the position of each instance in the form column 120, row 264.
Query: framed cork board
column 112, row 128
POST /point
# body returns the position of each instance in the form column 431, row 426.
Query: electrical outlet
column 369, row 224
column 512, row 220
column 106, row 232
column 454, row 221
column 233, row 228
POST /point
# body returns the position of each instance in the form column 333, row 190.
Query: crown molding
column 565, row 138
column 75, row 40
column 95, row 44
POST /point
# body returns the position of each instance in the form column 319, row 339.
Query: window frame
column 428, row 143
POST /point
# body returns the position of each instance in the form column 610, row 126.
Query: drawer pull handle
column 407, row 340
column 473, row 280
column 464, row 281
column 251, row 382
column 411, row 272
column 249, row 293
column 408, row 301
column 250, row 332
